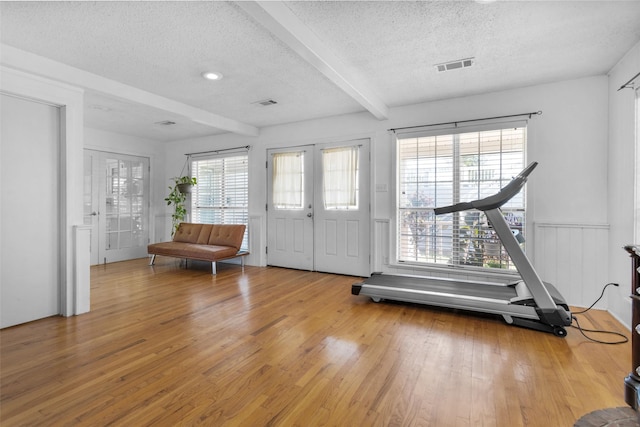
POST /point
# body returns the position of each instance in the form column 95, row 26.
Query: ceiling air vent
column 455, row 65
column 165, row 123
column 265, row 102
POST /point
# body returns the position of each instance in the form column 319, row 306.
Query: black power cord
column 583, row 330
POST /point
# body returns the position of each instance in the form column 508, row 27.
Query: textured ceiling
column 386, row 48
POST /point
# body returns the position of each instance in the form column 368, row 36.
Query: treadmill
column 529, row 302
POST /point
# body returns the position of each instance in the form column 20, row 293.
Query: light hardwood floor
column 165, row 346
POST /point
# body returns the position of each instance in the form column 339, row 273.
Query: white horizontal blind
column 221, row 195
column 441, row 169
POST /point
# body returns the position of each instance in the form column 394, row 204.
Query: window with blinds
column 221, row 195
column 446, row 167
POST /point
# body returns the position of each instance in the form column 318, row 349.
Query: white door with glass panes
column 341, row 226
column 290, row 208
column 318, row 208
column 116, row 205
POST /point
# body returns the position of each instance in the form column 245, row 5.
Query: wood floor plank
column 167, row 346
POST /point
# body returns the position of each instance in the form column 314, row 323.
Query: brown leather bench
column 204, row 242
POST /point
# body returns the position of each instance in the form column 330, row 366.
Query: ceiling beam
column 276, row 17
column 25, row 61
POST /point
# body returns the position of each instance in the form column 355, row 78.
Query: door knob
column 309, row 214
column 94, row 213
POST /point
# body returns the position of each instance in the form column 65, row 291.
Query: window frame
column 453, row 128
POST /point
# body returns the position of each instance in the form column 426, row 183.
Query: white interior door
column 290, row 208
column 29, row 210
column 117, row 205
column 341, row 214
column 318, row 208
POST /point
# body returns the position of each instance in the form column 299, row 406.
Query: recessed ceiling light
column 211, row 75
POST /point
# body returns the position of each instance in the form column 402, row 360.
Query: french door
column 318, row 207
column 116, row 205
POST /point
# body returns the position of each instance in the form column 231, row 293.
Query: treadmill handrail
column 463, row 206
column 496, row 200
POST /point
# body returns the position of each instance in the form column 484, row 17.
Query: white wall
column 621, row 167
column 101, row 140
column 569, row 140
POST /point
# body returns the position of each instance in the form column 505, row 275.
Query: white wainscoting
column 256, row 227
column 81, row 271
column 573, row 257
column 381, row 245
column 161, row 228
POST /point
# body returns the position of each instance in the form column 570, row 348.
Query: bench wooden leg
column 213, row 267
column 153, row 259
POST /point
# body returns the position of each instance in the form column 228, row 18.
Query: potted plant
column 185, row 183
column 177, row 197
